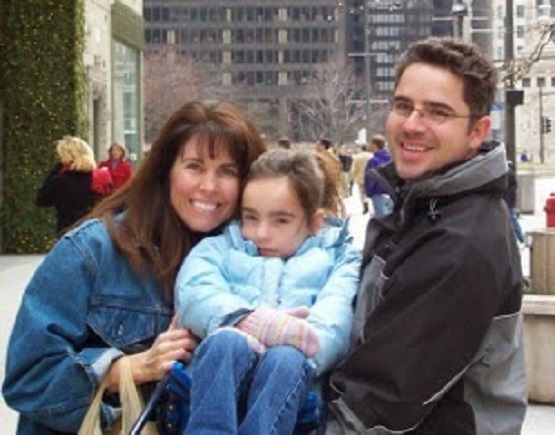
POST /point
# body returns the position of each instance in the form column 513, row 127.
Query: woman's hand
column 151, row 365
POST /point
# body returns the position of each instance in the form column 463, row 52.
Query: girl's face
column 204, row 192
column 273, row 218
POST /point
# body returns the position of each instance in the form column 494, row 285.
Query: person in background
column 74, row 184
column 284, row 142
column 346, row 160
column 104, row 292
column 381, row 200
column 324, row 150
column 271, row 298
column 357, row 170
column 437, row 343
column 118, row 165
column 510, row 198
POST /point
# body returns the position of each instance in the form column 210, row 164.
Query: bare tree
column 327, row 106
column 172, row 78
column 519, row 68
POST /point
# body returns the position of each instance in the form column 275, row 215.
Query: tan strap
column 131, row 405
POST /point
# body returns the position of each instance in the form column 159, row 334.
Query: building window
column 540, row 82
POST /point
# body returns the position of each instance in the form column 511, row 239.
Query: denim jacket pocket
column 127, row 324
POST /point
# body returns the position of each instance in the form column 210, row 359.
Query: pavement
column 16, row 270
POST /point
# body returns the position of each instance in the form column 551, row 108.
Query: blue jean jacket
column 84, row 307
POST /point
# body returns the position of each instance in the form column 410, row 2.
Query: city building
column 534, row 59
column 114, row 39
column 266, row 50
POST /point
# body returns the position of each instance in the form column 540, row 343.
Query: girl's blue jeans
column 236, row 391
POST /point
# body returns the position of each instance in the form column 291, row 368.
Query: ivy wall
column 42, row 90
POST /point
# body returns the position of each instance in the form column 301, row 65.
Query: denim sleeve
column 52, row 368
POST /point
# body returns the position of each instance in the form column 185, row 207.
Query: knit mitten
column 274, row 328
column 253, row 343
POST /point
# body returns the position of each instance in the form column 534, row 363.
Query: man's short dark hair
column 465, row 60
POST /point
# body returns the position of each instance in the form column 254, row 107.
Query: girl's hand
column 151, row 365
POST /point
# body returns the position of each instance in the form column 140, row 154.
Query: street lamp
column 459, row 10
column 367, row 86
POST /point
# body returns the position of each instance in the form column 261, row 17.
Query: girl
column 272, row 299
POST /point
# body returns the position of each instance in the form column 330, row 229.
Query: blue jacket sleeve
column 203, row 294
column 332, row 313
column 51, row 374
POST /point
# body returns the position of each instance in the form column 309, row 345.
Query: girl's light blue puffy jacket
column 84, row 307
column 224, row 275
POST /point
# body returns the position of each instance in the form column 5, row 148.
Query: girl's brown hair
column 308, row 175
column 140, row 217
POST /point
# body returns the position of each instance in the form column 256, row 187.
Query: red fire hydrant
column 550, row 210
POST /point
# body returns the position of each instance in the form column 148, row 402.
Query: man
column 357, row 172
column 381, row 201
column 437, row 339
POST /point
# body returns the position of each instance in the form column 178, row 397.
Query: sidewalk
column 15, row 272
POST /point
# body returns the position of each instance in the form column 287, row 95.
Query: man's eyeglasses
column 430, row 114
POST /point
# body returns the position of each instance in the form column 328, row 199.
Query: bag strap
column 131, row 402
column 91, row 422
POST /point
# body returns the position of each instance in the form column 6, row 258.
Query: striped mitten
column 253, row 343
column 273, row 328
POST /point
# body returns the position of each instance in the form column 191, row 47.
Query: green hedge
column 42, row 83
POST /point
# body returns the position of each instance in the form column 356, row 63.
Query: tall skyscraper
column 267, row 49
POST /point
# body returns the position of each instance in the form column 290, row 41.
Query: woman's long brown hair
column 139, row 216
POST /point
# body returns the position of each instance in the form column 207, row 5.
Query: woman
column 118, row 165
column 106, row 288
column 74, row 185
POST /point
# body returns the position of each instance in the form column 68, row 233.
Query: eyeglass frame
column 424, row 112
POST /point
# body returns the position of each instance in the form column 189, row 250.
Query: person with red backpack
column 74, row 185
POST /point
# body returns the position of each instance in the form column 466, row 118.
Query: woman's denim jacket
column 84, row 307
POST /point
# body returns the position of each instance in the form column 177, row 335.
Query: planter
column 539, row 344
column 542, row 263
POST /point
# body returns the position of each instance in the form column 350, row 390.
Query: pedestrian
column 104, row 293
column 346, row 160
column 437, row 338
column 74, row 184
column 381, row 200
column 120, row 168
column 284, row 142
column 357, row 172
column 324, row 149
column 271, row 298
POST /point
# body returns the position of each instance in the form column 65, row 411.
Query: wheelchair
column 169, row 406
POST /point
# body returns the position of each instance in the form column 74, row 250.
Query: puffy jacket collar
column 486, row 172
